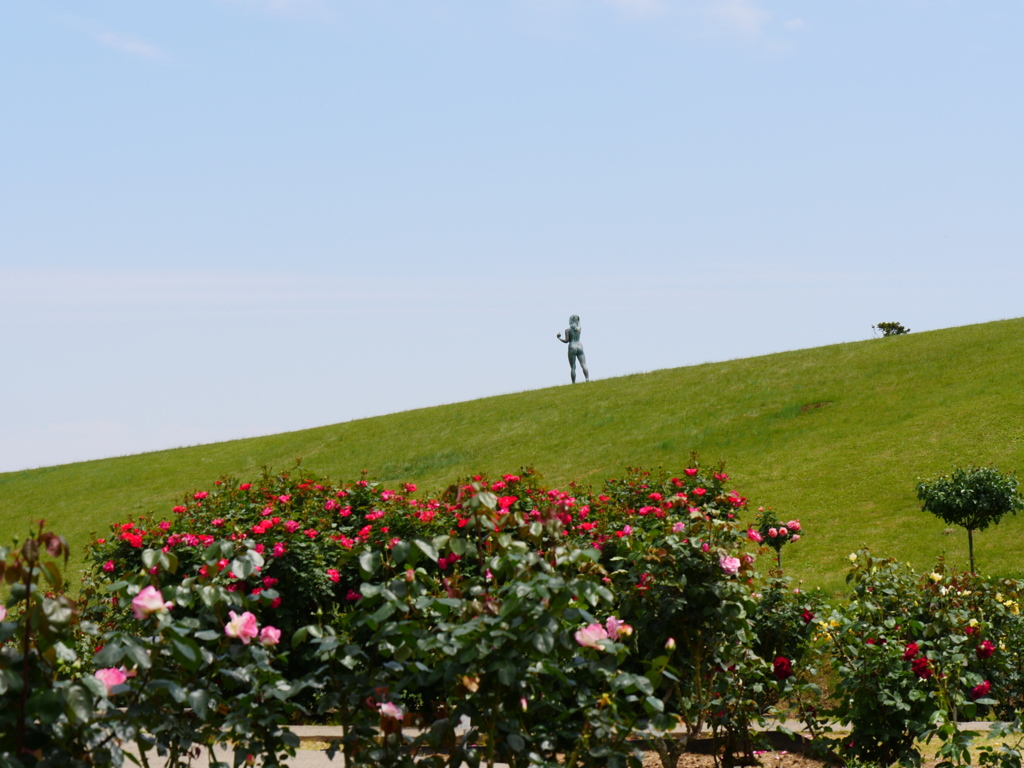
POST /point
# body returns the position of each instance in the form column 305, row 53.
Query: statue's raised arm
column 572, row 338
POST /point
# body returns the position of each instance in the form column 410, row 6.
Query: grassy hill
column 836, row 436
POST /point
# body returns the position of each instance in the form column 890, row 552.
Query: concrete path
column 317, row 734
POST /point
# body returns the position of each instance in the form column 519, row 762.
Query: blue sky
column 226, row 218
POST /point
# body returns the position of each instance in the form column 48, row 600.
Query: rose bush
column 915, row 655
column 665, row 550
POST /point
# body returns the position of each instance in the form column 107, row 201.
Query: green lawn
column 836, row 436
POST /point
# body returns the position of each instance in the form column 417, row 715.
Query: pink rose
column 679, row 527
column 391, row 710
column 241, row 627
column 589, row 636
column 754, row 535
column 3, row 612
column 773, row 532
column 111, row 677
column 108, row 566
column 617, row 628
column 149, row 601
column 270, row 636
column 794, row 526
column 731, row 565
column 783, row 531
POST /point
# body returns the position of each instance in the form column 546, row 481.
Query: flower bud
column 670, row 644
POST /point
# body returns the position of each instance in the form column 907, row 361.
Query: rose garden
column 497, row 620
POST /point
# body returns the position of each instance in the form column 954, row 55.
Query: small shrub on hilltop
column 890, row 329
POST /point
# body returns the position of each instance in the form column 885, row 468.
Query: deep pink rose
column 111, row 677
column 731, row 565
column 270, row 636
column 981, row 690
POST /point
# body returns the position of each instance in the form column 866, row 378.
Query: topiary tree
column 973, row 498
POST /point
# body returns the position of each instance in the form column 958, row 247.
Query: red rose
column 911, row 651
column 783, row 667
column 921, row 668
column 985, row 650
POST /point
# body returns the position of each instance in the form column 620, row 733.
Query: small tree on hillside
column 890, row 329
column 972, row 498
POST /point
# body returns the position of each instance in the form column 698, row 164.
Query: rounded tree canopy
column 973, row 498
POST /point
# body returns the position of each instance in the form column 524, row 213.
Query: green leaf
column 78, row 703
column 137, row 653
column 427, row 548
column 52, row 574
column 369, row 561
column 186, row 652
column 506, row 672
column 381, row 614
column 177, row 692
column 169, row 561
column 516, row 742
column 110, row 656
column 64, row 653
column 58, row 612
column 400, row 552
column 150, row 557
column 543, row 641
column 199, row 700
column 242, row 567
column 95, row 686
column 208, row 634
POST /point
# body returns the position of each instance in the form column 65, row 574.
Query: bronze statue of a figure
column 572, row 338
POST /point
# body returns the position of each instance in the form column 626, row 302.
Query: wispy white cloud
column 639, row 7
column 132, row 45
column 739, row 17
column 118, row 41
column 283, row 7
